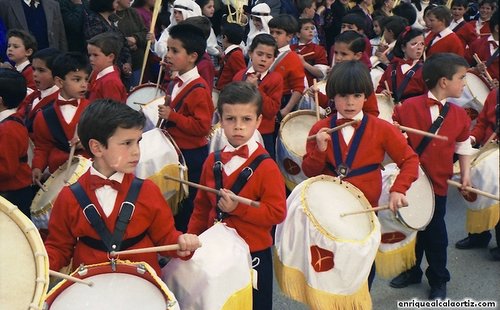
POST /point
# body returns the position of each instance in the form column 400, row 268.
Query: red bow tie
column 495, row 45
column 98, row 182
column 242, row 152
column 431, row 102
column 73, row 102
column 177, row 81
column 342, row 121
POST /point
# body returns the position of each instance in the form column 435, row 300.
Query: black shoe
column 495, row 252
column 438, row 291
column 470, row 243
column 404, row 279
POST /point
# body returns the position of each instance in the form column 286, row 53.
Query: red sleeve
column 486, row 120
column 371, row 105
column 198, row 222
column 43, row 143
column 271, row 95
column 314, row 161
column 14, row 139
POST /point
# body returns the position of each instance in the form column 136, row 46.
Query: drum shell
column 143, row 94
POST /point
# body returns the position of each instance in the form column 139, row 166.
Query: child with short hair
column 105, row 79
column 234, row 60
column 111, row 132
column 307, row 11
column 55, row 126
column 486, row 9
column 464, row 30
column 378, row 29
column 21, row 45
column 354, row 22
column 441, row 38
column 15, row 175
column 393, row 27
column 263, row 51
column 240, row 107
column 188, row 117
column 444, row 75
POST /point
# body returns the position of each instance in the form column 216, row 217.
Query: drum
column 160, row 156
column 44, row 200
column 150, row 110
column 474, row 95
column 291, row 145
column 376, row 74
column 223, row 273
column 385, row 107
column 482, row 212
column 143, row 94
column 217, row 140
column 24, row 265
column 323, row 259
column 399, row 231
column 130, row 286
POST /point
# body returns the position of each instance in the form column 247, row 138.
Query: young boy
column 465, row 31
column 240, row 107
column 20, row 47
column 188, row 117
column 444, row 75
column 288, row 64
column 355, row 23
column 442, row 39
column 262, row 53
column 316, row 63
column 15, row 175
column 55, row 126
column 46, row 89
column 486, row 9
column 105, row 80
column 234, row 61
column 109, row 195
column 307, row 10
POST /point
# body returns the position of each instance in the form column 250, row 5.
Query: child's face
column 388, row 36
column 209, row 9
column 122, row 153
column 178, row 58
column 310, row 11
column 435, row 25
column 455, row 86
column 74, row 84
column 178, row 16
column 281, row 37
column 485, row 11
column 348, row 105
column 457, row 12
column 239, row 122
column 16, row 51
column 376, row 28
column 123, row 4
column 257, row 22
column 97, row 59
column 306, row 33
column 414, row 48
column 42, row 75
column 262, row 57
column 346, row 27
column 343, row 53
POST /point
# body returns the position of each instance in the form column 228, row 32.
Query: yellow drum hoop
column 285, row 120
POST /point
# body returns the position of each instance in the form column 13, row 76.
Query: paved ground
column 473, row 275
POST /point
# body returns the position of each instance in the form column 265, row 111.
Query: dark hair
column 442, row 13
column 240, row 92
column 355, row 41
column 303, row 4
column 407, row 11
column 354, row 19
column 202, row 22
column 29, row 41
column 69, row 62
column 109, row 43
column 202, row 3
column 493, row 21
column 191, row 37
column 441, row 65
column 102, row 117
column 233, row 32
column 405, row 37
column 349, row 77
column 378, row 4
column 100, row 6
column 285, row 22
column 396, row 24
column 264, row 39
column 47, row 55
column 462, row 3
column 12, row 88
column 492, row 3
column 304, row 21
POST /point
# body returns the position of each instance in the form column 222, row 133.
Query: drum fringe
column 294, row 285
column 166, row 185
column 482, row 220
column 241, row 300
column 391, row 263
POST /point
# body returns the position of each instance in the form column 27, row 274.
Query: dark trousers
column 21, row 198
column 434, row 242
column 270, row 144
column 263, row 297
column 497, row 233
column 371, row 276
column 483, row 237
column 194, row 161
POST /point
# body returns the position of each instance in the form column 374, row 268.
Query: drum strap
column 23, row 159
column 397, row 93
column 344, row 169
column 277, row 60
column 240, row 182
column 179, row 103
column 492, row 58
column 434, row 127
column 109, row 242
column 28, row 122
column 55, row 128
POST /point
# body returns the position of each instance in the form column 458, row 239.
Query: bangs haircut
column 404, row 38
column 108, row 42
column 305, row 21
column 240, row 92
column 47, row 55
column 285, row 22
column 69, row 62
column 264, row 39
column 356, row 20
column 29, row 41
column 442, row 13
column 191, row 37
column 441, row 65
column 462, row 3
column 12, row 88
column 349, row 77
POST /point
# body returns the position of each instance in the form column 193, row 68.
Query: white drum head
column 376, row 74
column 385, row 107
column 295, row 130
column 143, row 94
column 151, row 112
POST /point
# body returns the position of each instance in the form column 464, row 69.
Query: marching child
column 234, row 60
column 240, row 107
column 20, row 47
column 105, row 79
column 442, row 39
column 262, row 53
column 111, row 132
column 464, row 30
column 444, row 75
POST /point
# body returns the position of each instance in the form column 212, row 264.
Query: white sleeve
column 161, row 44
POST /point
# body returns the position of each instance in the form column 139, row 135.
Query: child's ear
column 358, row 55
column 58, row 81
column 96, row 148
column 29, row 52
column 193, row 57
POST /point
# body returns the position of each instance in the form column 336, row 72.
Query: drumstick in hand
column 330, row 130
column 42, row 187
column 367, row 210
column 166, row 103
column 422, row 133
column 316, row 100
column 234, row 197
column 69, row 278
column 486, row 73
column 308, row 54
column 71, row 155
column 161, row 248
column 473, row 190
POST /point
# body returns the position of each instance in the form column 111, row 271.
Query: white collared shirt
column 68, row 111
column 492, row 48
column 44, row 93
column 236, row 161
column 20, row 67
column 442, row 34
column 454, row 23
column 348, row 131
column 186, row 78
column 106, row 195
column 28, row 3
column 262, row 75
column 6, row 113
column 406, row 67
column 104, row 72
column 230, row 48
column 479, row 25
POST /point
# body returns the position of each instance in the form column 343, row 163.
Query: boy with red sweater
column 262, row 53
column 54, row 128
column 444, row 75
column 464, row 30
column 240, row 107
column 108, row 194
column 442, row 39
column 15, row 175
column 20, row 47
column 234, row 61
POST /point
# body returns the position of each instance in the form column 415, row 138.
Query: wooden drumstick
column 422, row 133
column 473, row 190
column 486, row 73
column 367, row 210
column 158, row 79
column 330, row 130
column 166, row 103
column 316, row 99
column 69, row 278
column 154, row 17
column 234, row 197
column 71, row 155
column 307, row 54
column 161, row 248
column 387, row 87
column 42, row 187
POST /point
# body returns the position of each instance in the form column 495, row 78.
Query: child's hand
column 226, row 204
column 311, row 91
column 253, row 78
column 150, row 37
column 127, row 69
column 36, row 175
column 386, row 93
column 396, row 201
column 322, row 138
column 302, row 59
column 188, row 243
column 481, row 67
column 76, row 142
column 164, row 112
